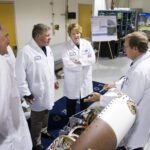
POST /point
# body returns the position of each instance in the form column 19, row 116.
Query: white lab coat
column 136, row 85
column 14, row 132
column 78, row 77
column 11, row 59
column 147, row 146
column 35, row 75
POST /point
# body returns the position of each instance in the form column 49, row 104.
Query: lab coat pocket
column 38, row 90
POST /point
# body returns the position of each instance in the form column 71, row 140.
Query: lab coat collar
column 73, row 44
column 35, row 46
column 141, row 58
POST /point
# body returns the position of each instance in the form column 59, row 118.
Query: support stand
column 99, row 49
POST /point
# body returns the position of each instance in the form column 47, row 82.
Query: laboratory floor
column 105, row 70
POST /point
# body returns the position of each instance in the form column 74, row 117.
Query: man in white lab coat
column 36, row 80
column 147, row 146
column 135, row 84
column 12, row 61
column 11, row 58
column 14, row 132
column 78, row 57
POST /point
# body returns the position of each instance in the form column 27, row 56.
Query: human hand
column 29, row 99
column 56, row 85
column 93, row 97
column 77, row 61
column 108, row 86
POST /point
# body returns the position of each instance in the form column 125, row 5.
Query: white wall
column 85, row 1
column 144, row 4
column 30, row 12
column 98, row 5
column 73, row 5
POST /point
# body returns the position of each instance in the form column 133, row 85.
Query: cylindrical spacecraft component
column 109, row 128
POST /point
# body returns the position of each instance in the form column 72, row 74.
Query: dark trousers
column 71, row 106
column 39, row 123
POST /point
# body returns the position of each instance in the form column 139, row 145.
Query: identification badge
column 72, row 53
column 37, row 58
column 85, row 52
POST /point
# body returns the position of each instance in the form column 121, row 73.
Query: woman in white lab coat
column 136, row 84
column 78, row 57
column 14, row 132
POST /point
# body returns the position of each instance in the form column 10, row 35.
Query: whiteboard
column 104, row 28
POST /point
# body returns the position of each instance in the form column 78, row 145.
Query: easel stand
column 99, row 49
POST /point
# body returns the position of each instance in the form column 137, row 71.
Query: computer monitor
column 144, row 21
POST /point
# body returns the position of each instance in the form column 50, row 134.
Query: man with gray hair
column 36, row 81
column 14, row 132
column 135, row 84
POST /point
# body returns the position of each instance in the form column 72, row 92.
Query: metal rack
column 126, row 23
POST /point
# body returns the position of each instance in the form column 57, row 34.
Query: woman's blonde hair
column 75, row 26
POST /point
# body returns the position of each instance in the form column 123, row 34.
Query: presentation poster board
column 104, row 28
column 144, row 21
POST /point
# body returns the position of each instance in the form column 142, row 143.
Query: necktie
column 44, row 50
column 131, row 64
